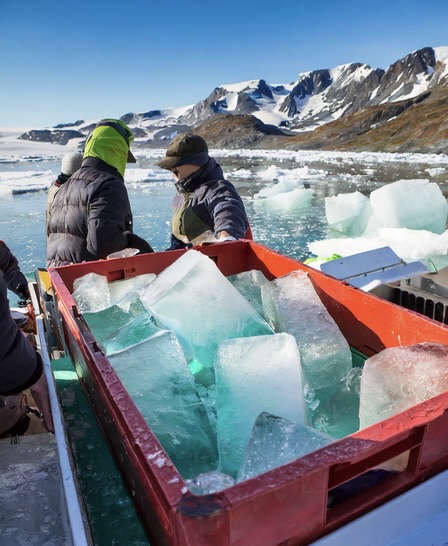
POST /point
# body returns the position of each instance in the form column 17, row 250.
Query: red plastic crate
column 287, row 504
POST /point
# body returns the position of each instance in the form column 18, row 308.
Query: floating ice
column 413, row 204
column 276, row 441
column 156, row 376
column 348, row 212
column 291, row 200
column 409, row 216
column 91, row 293
column 254, row 375
column 194, row 299
column 408, row 244
column 292, row 305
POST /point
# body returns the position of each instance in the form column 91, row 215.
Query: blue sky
column 63, row 60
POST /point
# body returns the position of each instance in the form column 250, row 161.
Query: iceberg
column 412, row 204
column 348, row 213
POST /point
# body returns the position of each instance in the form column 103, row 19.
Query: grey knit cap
column 71, row 162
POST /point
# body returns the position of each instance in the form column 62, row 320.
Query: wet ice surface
column 32, row 506
column 193, row 298
column 275, row 441
column 400, row 377
column 292, row 305
column 255, row 374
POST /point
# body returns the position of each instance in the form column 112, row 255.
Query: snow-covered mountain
column 315, row 99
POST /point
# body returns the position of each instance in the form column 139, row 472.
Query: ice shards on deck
column 156, row 376
column 276, row 441
column 253, row 375
column 292, row 305
column 400, row 377
column 194, row 299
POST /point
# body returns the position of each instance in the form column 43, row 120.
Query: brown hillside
column 415, row 125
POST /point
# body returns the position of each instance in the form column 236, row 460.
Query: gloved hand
column 23, row 292
column 224, row 239
column 224, row 236
column 134, row 241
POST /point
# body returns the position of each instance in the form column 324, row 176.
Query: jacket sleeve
column 109, row 219
column 20, row 367
column 227, row 209
column 11, row 270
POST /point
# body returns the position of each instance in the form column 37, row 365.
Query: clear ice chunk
column 398, row 378
column 401, row 377
column 158, row 379
column 253, row 375
column 123, row 292
column 210, row 482
column 248, row 284
column 91, row 293
column 293, row 306
column 276, row 441
column 195, row 300
column 138, row 329
column 106, row 322
column 110, row 321
column 339, row 415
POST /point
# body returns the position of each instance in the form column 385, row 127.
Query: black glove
column 24, row 293
column 134, row 241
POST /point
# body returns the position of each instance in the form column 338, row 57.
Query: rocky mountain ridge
column 352, row 106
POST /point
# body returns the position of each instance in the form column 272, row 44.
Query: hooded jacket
column 205, row 201
column 91, row 216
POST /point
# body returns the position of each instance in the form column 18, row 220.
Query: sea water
column 22, row 215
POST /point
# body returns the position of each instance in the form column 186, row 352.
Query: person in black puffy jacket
column 91, row 216
column 206, row 207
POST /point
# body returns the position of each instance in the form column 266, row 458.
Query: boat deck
column 32, row 499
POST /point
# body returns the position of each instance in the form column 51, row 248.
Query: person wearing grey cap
column 71, row 162
column 206, row 207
